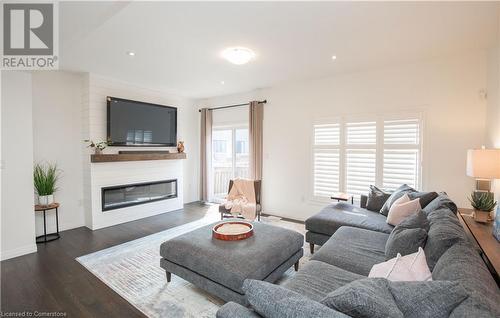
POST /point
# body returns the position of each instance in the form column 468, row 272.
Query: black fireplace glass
column 121, row 196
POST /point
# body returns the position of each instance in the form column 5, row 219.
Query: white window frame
column 379, row 146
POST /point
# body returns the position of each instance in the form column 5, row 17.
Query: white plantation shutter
column 402, row 132
column 326, row 159
column 401, row 160
column 349, row 155
column 326, row 172
column 360, row 157
column 364, row 133
column 360, row 170
column 400, row 167
column 326, row 134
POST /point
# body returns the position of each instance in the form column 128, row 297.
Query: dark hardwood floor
column 51, row 280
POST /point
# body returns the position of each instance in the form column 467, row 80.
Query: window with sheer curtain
column 351, row 154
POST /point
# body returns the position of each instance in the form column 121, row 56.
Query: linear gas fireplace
column 121, row 196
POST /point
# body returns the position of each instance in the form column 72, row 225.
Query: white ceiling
column 177, row 45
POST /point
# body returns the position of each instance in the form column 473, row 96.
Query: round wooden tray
column 232, row 230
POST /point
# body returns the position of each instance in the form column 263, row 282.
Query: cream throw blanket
column 241, row 199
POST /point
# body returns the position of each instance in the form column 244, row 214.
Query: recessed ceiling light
column 222, row 82
column 130, row 53
column 334, row 57
column 238, row 55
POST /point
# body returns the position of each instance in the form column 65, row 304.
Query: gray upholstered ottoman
column 220, row 267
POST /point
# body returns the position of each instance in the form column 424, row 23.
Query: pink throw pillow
column 412, row 267
column 401, row 209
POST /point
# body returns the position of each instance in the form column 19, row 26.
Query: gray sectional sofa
column 353, row 239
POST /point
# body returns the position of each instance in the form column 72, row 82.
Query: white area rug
column 133, row 270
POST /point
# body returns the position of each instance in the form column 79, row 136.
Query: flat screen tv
column 133, row 123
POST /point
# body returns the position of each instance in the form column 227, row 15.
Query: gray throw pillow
column 435, row 299
column 364, row 298
column 442, row 201
column 378, row 297
column 407, row 236
column 376, row 199
column 398, row 193
column 273, row 301
column 440, row 215
column 405, row 241
column 425, row 197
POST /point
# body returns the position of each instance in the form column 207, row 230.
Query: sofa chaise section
column 320, row 227
column 353, row 249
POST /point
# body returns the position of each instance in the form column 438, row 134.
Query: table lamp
column 484, row 165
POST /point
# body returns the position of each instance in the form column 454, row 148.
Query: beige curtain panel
column 206, row 153
column 256, row 139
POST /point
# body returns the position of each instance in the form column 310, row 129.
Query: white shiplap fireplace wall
column 99, row 175
column 121, row 173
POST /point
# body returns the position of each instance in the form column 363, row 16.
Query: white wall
column 57, row 125
column 446, row 90
column 18, row 217
column 493, row 109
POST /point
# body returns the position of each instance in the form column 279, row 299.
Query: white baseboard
column 20, row 251
column 125, row 219
column 70, row 226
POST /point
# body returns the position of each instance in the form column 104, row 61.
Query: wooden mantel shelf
column 137, row 157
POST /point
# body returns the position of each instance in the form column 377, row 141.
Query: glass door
column 230, row 158
column 241, row 153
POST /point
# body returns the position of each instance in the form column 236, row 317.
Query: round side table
column 51, row 236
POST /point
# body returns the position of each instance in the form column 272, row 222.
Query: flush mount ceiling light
column 334, row 57
column 222, row 82
column 238, row 55
column 130, row 53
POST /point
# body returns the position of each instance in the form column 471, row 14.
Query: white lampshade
column 483, row 163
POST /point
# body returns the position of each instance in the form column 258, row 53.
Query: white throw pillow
column 401, row 209
column 412, row 267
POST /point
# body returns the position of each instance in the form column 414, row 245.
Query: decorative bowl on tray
column 232, row 230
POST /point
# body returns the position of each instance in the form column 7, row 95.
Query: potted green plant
column 98, row 146
column 483, row 203
column 45, row 177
